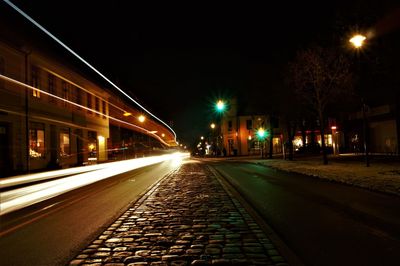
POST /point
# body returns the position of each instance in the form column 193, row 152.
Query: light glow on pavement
column 22, row 197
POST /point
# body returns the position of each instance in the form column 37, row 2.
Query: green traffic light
column 220, row 106
column 261, row 133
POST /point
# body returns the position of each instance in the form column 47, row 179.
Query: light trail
column 84, row 61
column 22, row 197
column 151, row 132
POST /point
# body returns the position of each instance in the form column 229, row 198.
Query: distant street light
column 262, row 134
column 212, row 125
column 141, row 118
column 358, row 41
column 220, row 106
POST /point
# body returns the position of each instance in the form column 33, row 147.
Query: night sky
column 177, row 58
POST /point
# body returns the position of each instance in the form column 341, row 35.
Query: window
column 35, row 81
column 78, row 98
column 104, row 109
column 230, row 125
column 89, row 102
column 92, row 145
column 51, row 87
column 65, row 92
column 97, row 106
column 249, row 124
column 65, row 147
column 36, row 140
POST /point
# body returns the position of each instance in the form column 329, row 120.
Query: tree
column 320, row 77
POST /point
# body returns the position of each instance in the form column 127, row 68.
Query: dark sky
column 177, row 58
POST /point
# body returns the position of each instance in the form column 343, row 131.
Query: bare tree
column 321, row 76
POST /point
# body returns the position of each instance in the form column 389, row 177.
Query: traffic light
column 261, row 133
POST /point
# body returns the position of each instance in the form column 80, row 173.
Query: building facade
column 51, row 116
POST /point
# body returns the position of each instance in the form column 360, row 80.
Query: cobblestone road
column 186, row 219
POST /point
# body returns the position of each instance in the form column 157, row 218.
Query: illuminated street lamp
column 358, row 41
column 212, row 125
column 262, row 134
column 141, row 118
column 220, row 106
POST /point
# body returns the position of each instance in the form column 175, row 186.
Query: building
column 52, row 116
column 239, row 133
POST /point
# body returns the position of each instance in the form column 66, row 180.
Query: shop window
column 65, row 147
column 36, row 140
column 35, row 80
column 92, row 145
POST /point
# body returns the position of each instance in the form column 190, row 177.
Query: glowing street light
column 261, row 133
column 357, row 40
column 141, row 118
column 220, row 106
column 212, row 125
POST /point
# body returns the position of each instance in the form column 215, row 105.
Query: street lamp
column 358, row 41
column 261, row 134
column 141, row 118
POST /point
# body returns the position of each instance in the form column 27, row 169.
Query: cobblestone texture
column 187, row 219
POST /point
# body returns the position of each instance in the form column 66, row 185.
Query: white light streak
column 84, row 61
column 22, row 197
column 81, row 106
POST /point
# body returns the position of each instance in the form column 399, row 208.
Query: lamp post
column 261, row 134
column 358, row 41
column 220, row 108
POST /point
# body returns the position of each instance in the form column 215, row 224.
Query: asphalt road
column 52, row 232
column 323, row 223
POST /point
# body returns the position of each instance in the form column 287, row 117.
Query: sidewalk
column 186, row 219
column 382, row 175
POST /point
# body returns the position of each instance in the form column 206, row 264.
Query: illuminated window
column 65, row 147
column 92, row 144
column 35, row 80
column 36, row 140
